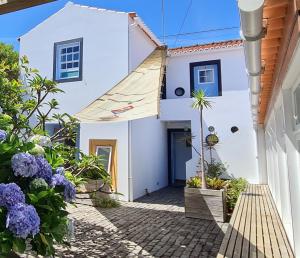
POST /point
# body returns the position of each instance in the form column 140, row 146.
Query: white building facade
column 98, row 49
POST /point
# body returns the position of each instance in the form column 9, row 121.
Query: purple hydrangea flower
column 22, row 220
column 69, row 189
column 3, row 135
column 57, row 179
column 44, row 169
column 60, row 170
column 11, row 194
column 24, row 164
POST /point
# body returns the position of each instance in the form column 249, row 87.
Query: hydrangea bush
column 33, row 198
column 35, row 169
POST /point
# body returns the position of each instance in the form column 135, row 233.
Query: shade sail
column 136, row 96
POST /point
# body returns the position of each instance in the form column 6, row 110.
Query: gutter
column 252, row 31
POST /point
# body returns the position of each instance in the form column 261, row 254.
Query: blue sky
column 203, row 15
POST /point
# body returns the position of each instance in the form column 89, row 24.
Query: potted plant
column 209, row 203
column 201, row 202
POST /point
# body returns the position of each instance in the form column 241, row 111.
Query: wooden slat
column 255, row 229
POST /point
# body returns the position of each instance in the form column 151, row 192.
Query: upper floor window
column 68, row 60
column 206, row 76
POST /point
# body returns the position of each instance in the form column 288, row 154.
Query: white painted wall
column 282, row 153
column 237, row 150
column 140, row 45
column 105, row 51
column 110, row 131
column 149, row 155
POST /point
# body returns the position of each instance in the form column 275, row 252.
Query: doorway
column 179, row 152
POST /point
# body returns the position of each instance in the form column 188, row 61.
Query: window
column 105, row 153
column 68, row 60
column 297, row 105
column 206, row 76
column 107, row 149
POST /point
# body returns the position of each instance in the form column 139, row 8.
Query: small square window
column 67, row 65
column 206, row 76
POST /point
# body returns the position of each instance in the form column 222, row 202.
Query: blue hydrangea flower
column 69, row 188
column 24, row 164
column 22, row 220
column 70, row 191
column 3, row 135
column 60, row 170
column 44, row 169
column 10, row 194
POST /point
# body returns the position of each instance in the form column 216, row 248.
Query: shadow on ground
column 153, row 226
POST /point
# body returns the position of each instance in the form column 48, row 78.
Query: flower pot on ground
column 205, row 204
column 209, row 204
column 92, row 186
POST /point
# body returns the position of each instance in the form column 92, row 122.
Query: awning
column 136, row 96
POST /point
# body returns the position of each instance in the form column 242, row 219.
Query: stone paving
column 152, row 226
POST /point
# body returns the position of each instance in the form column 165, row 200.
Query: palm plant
column 201, row 102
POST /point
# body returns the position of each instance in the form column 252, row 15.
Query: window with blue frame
column 68, row 60
column 206, row 76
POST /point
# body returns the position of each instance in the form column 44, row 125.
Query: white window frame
column 205, row 70
column 110, row 155
column 58, row 60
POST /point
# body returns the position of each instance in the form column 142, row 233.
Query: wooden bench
column 255, row 228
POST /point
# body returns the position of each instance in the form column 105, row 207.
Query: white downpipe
column 130, row 177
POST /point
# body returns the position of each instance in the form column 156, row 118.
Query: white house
column 272, row 51
column 89, row 50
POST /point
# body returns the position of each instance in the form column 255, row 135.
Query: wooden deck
column 255, row 228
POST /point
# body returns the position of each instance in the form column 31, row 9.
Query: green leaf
column 33, row 198
column 46, row 207
column 42, row 194
column 19, row 245
column 44, row 240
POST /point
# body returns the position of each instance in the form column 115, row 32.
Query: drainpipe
column 252, row 31
column 130, row 177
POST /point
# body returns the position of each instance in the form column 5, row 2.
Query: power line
column 163, row 20
column 198, row 32
column 183, row 22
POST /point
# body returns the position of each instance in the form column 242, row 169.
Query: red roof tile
column 209, row 46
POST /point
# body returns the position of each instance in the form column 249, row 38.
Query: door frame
column 93, row 143
column 170, row 167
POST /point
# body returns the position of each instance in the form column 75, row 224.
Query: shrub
column 216, row 183
column 106, row 203
column 215, row 169
column 194, row 182
column 234, row 189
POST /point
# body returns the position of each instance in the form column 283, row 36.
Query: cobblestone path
column 152, row 226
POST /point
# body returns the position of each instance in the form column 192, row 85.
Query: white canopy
column 136, row 96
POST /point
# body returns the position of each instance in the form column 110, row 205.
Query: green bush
column 194, row 182
column 216, row 183
column 234, row 189
column 215, row 169
column 106, row 203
